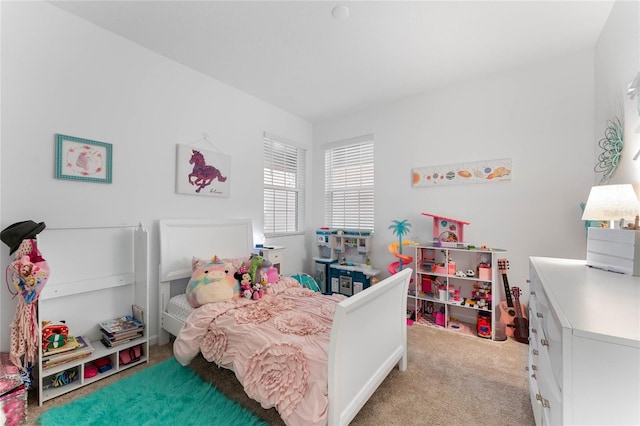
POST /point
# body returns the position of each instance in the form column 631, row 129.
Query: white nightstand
column 274, row 254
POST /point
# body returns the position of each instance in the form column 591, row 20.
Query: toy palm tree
column 400, row 228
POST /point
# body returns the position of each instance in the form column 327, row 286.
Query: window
column 284, row 174
column 349, row 184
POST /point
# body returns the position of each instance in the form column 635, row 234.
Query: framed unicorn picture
column 83, row 159
column 201, row 172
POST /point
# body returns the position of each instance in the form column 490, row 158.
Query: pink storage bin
column 484, row 273
column 13, row 393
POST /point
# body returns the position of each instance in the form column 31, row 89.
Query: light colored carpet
column 451, row 379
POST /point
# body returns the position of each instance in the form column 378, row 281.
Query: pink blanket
column 277, row 346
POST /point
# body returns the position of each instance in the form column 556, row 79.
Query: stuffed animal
column 255, row 263
column 212, row 282
column 246, row 288
column 251, row 290
column 272, row 274
column 257, row 291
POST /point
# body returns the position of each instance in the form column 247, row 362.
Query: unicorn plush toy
column 212, row 282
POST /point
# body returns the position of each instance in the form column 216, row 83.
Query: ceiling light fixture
column 340, row 12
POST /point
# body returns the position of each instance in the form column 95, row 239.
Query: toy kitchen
column 343, row 262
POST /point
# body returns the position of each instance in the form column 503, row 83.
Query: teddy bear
column 212, row 282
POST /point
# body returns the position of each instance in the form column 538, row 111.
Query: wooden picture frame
column 83, row 159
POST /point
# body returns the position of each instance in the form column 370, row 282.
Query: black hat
column 13, row 235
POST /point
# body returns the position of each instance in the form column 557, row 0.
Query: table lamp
column 616, row 248
column 612, row 203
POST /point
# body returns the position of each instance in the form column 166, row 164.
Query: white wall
column 61, row 74
column 617, row 61
column 541, row 116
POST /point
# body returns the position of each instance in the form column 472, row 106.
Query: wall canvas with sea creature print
column 485, row 171
column 202, row 172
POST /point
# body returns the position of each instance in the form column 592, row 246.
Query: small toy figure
column 429, row 308
column 257, row 291
column 456, row 294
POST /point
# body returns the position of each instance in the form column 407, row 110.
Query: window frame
column 336, row 156
column 281, row 184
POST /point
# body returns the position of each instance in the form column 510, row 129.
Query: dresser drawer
column 534, row 392
column 546, row 330
column 274, row 256
column 551, row 399
column 549, row 395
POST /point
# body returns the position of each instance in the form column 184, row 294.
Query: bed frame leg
column 163, row 337
column 402, row 365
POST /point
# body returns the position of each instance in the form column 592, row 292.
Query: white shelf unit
column 97, row 274
column 425, row 302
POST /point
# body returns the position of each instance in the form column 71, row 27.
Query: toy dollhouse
column 446, row 229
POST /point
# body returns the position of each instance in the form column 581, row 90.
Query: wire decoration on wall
column 611, row 146
column 206, row 138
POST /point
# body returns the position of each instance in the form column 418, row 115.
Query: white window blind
column 349, row 185
column 284, row 187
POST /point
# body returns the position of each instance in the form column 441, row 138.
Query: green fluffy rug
column 165, row 394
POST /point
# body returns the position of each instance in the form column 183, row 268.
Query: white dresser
column 584, row 352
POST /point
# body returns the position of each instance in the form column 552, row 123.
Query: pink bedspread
column 277, row 346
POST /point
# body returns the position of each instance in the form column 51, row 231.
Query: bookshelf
column 440, row 298
column 97, row 274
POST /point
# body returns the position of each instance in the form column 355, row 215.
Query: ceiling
column 297, row 56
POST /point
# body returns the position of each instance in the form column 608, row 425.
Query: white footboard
column 368, row 338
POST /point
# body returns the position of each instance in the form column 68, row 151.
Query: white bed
column 368, row 336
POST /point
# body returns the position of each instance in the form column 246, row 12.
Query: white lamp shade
column 612, row 202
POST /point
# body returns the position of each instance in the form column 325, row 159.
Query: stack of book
column 121, row 330
column 76, row 347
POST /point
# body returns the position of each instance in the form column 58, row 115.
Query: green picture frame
column 83, row 159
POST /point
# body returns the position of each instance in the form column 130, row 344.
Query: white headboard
column 182, row 239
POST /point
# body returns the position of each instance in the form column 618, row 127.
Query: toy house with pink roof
column 446, row 229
